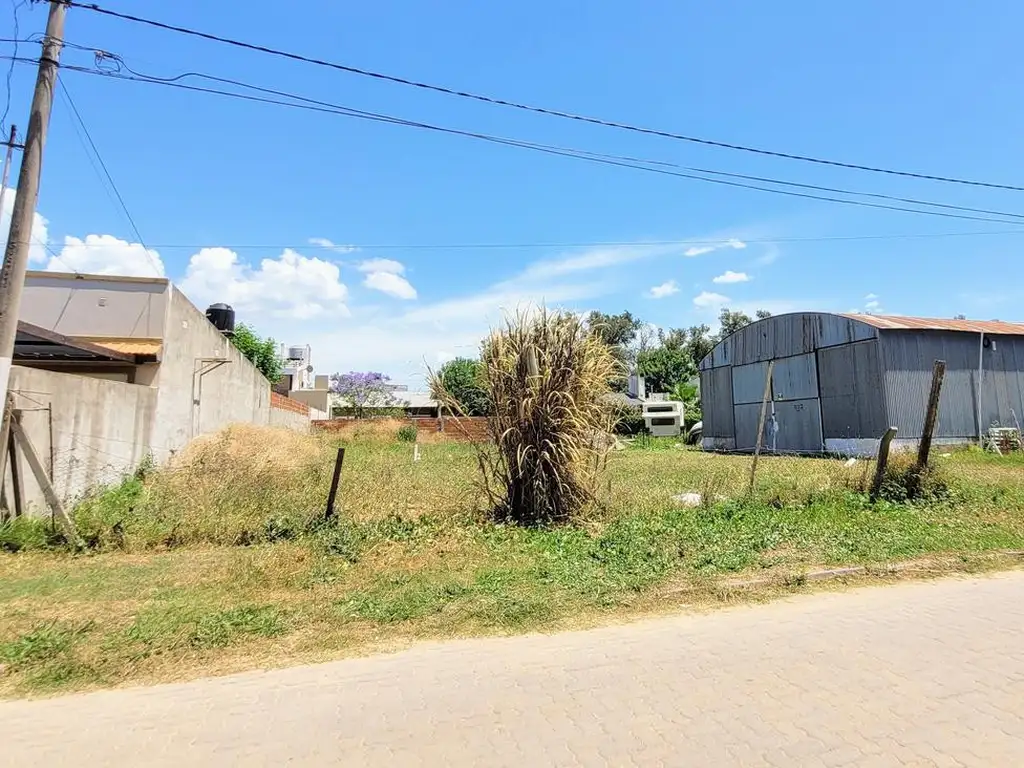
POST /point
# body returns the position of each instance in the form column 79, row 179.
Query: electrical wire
column 16, row 6
column 525, row 107
column 533, row 145
column 326, row 107
column 106, row 173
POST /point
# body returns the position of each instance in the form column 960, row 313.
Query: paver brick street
column 926, row 673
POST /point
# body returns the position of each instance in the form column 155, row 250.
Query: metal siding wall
column 907, row 359
column 799, row 426
column 1002, row 387
column 746, row 416
column 795, row 378
column 748, row 382
column 716, row 402
column 852, row 403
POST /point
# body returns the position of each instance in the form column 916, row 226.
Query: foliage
column 664, row 367
column 461, row 378
column 628, row 419
column 259, row 351
column 688, row 394
column 546, row 376
column 407, row 433
column 364, row 391
column 619, row 333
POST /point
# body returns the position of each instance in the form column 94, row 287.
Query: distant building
column 841, row 380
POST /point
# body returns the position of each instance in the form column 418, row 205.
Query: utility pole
column 12, row 277
column 7, row 166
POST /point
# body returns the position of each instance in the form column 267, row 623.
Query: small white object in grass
column 415, row 451
column 945, row 455
column 850, row 462
column 688, row 499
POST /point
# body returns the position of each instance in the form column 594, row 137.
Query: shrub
column 628, row 419
column 546, row 376
column 407, row 433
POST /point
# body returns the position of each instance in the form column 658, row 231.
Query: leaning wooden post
column 17, row 484
column 760, row 423
column 335, row 481
column 52, row 500
column 932, row 415
column 882, row 461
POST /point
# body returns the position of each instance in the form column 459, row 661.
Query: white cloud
column 770, row 256
column 37, row 251
column 732, row 277
column 700, row 250
column 106, row 255
column 871, row 297
column 290, row 286
column 385, row 275
column 323, row 242
column 707, row 299
column 391, row 284
column 665, row 289
column 381, row 265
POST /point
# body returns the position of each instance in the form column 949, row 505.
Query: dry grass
column 545, row 375
column 413, row 554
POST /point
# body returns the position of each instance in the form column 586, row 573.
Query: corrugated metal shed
column 843, row 378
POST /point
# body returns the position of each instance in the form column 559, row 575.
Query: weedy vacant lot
column 221, row 562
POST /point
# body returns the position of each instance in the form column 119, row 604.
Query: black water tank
column 223, row 318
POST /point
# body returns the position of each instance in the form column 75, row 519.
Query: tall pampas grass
column 545, row 375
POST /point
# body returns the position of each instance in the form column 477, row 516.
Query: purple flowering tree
column 364, row 390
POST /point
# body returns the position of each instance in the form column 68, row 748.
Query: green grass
column 201, row 584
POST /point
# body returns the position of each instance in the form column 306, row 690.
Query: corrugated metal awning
column 899, row 322
column 146, row 348
column 34, row 343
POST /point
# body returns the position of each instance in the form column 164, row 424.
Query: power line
column 106, row 172
column 326, row 107
column 517, row 142
column 525, row 107
column 16, row 6
column 575, row 244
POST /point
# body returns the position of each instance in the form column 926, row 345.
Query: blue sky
column 929, row 87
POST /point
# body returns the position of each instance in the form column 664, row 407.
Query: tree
column 664, row 367
column 461, row 379
column 731, row 321
column 618, row 332
column 364, row 390
column 259, row 351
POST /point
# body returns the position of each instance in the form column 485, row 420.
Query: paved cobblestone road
column 916, row 674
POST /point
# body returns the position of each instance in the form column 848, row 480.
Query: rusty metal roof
column 899, row 322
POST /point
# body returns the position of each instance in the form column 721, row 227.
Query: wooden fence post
column 335, row 481
column 760, row 423
column 52, row 500
column 932, row 415
column 882, row 461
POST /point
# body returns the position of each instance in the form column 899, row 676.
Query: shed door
column 796, row 405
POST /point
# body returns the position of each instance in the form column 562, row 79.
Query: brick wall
column 470, row 429
column 283, row 403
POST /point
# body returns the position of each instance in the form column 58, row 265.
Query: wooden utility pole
column 7, row 166
column 12, row 277
column 931, row 416
column 760, row 423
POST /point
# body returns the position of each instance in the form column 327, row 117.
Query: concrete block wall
column 190, row 405
column 87, row 431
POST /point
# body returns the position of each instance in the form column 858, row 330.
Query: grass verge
column 219, row 564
